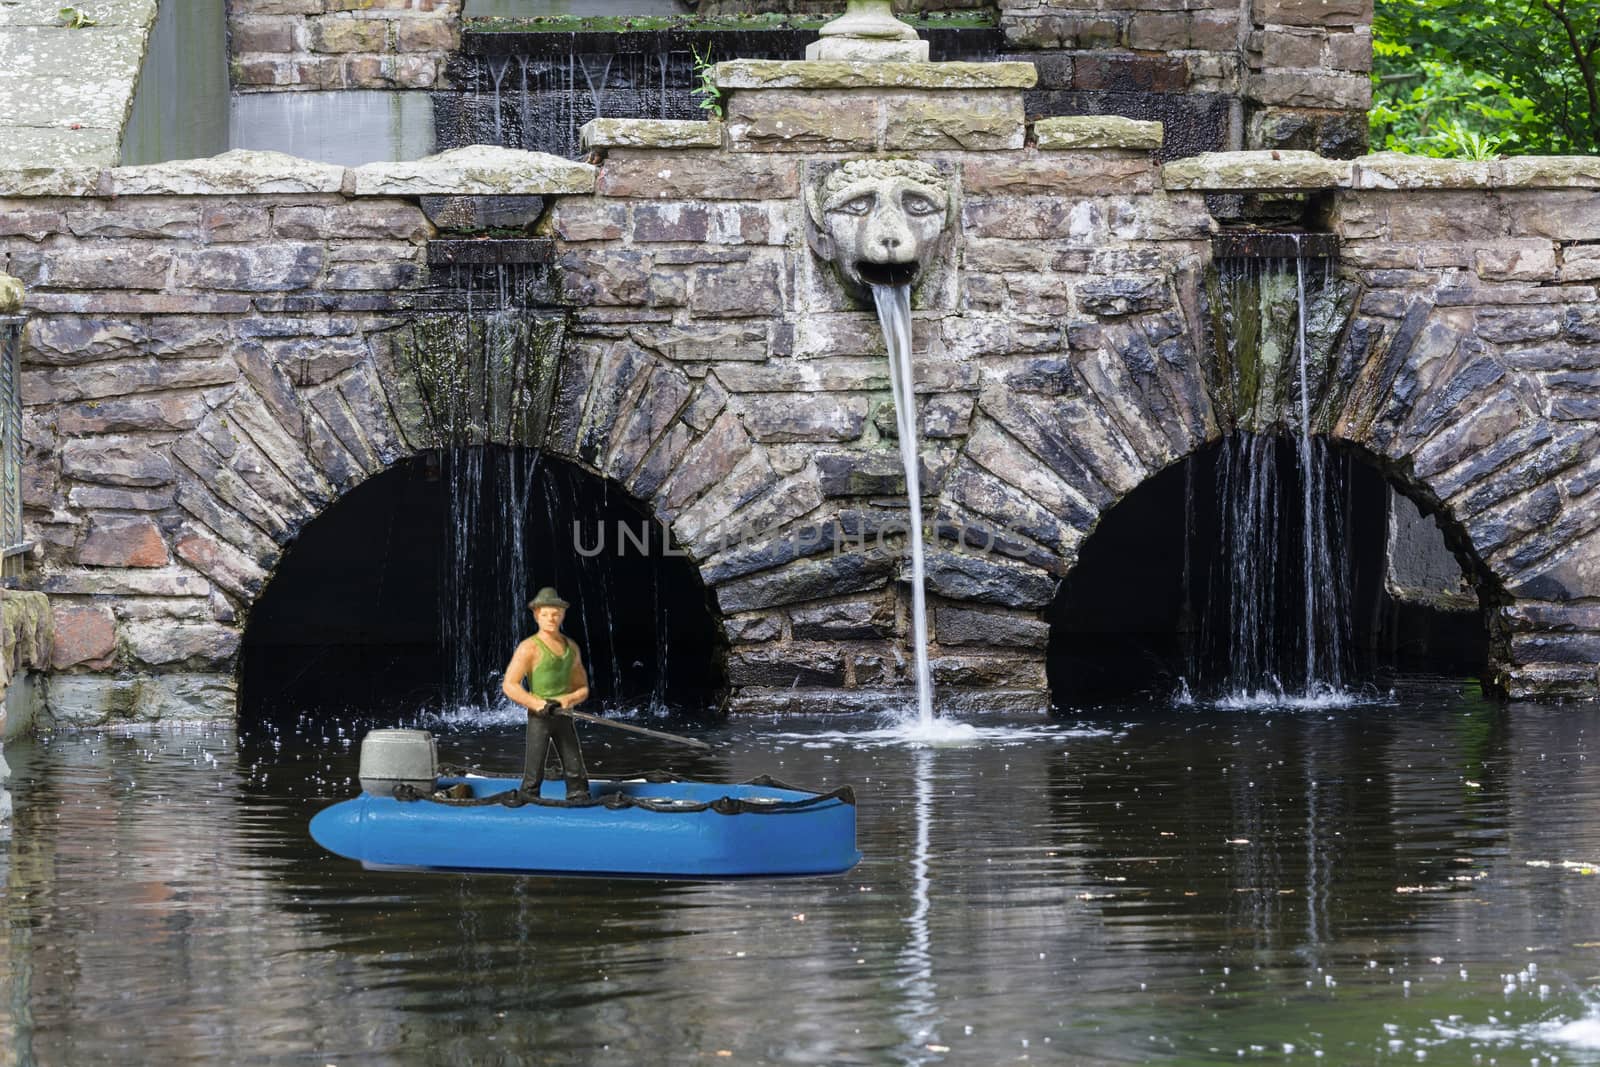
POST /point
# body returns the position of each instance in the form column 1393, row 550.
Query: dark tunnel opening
column 410, row 592
column 1153, row 605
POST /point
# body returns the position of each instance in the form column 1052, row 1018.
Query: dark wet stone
column 971, row 626
column 811, row 579
column 787, row 665
column 849, row 620
column 1122, row 296
column 988, row 580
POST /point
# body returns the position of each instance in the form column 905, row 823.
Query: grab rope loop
column 617, row 801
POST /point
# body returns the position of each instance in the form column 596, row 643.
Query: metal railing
column 13, row 548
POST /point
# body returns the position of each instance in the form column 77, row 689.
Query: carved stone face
column 879, row 221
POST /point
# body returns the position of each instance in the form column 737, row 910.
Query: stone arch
column 1438, row 387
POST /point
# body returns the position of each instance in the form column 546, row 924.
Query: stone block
column 1257, row 171
column 123, row 542
column 751, row 629
column 163, row 411
column 101, row 265
column 115, row 461
column 1523, row 262
column 989, row 580
column 167, row 643
column 786, row 666
column 793, row 121
column 737, row 290
column 701, row 176
column 1098, row 132
column 969, row 626
column 574, row 219
column 971, row 121
column 1580, row 263
column 1396, row 170
column 476, row 170
column 102, row 700
column 221, row 562
column 85, row 635
column 1310, row 88
column 771, row 74
column 1566, row 216
column 849, row 620
column 1122, row 296
column 261, row 268
column 240, row 172
column 426, row 35
column 649, row 133
column 807, row 579
column 776, row 417
column 1313, row 12
column 1159, row 31
column 1111, row 72
column 340, row 33
column 1350, row 51
column 671, row 221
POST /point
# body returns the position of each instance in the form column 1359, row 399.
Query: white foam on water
column 1578, row 1034
column 1319, row 699
column 471, row 716
column 907, row 729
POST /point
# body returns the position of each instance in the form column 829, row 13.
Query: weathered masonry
column 1222, row 74
column 211, row 361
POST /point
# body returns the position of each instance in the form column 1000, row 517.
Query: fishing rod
column 660, row 735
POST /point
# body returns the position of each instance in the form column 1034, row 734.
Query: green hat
column 547, row 598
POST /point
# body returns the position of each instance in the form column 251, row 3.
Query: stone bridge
column 214, row 358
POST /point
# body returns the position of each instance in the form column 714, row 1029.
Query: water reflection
column 1136, row 885
column 916, row 961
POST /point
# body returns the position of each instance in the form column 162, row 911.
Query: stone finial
column 10, row 295
column 868, row 31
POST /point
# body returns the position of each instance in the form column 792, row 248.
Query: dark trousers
column 542, row 730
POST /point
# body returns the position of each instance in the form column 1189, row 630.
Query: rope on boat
column 725, row 805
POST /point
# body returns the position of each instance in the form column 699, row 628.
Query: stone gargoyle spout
column 878, row 221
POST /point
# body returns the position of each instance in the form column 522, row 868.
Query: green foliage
column 710, row 97
column 74, row 19
column 1475, row 78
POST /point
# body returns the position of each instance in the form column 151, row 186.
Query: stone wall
column 283, row 45
column 1272, row 73
column 1219, row 73
column 25, row 641
column 211, row 362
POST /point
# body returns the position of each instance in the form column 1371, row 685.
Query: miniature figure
column 546, row 676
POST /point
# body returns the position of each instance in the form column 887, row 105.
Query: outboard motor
column 398, row 757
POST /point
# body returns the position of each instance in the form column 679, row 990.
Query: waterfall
column 1287, row 582
column 483, row 370
column 894, row 316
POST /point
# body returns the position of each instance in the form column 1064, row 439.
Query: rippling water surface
column 1409, row 881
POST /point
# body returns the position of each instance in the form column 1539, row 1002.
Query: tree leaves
column 1461, row 77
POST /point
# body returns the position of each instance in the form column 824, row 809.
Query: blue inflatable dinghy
column 660, row 829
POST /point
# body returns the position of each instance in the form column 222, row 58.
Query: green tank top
column 550, row 676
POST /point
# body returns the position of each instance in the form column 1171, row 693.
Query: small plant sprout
column 74, row 19
column 710, row 97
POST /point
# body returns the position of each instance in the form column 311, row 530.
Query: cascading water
column 1284, row 643
column 483, row 374
column 894, row 315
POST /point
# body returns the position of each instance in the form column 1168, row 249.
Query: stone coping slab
column 235, row 173
column 65, row 93
column 1288, row 171
column 1277, row 170
column 1395, row 170
column 476, row 170
column 1096, row 131
column 650, row 133
column 839, row 74
column 32, row 181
